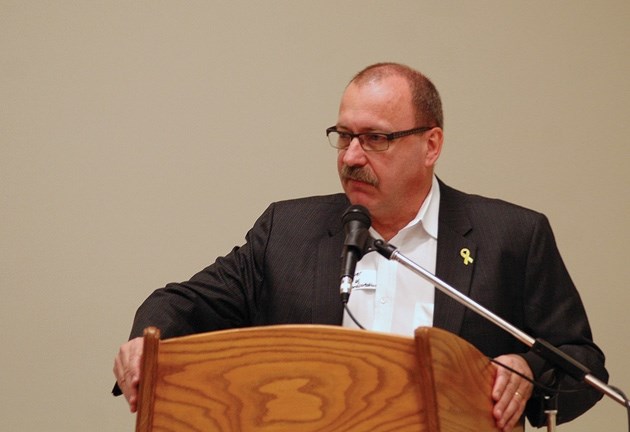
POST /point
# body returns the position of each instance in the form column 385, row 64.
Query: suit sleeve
column 554, row 312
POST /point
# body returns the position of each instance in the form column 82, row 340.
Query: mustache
column 361, row 174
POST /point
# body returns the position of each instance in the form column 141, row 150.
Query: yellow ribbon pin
column 465, row 253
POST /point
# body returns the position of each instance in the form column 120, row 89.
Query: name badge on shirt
column 364, row 280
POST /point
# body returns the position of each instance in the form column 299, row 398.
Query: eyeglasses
column 369, row 141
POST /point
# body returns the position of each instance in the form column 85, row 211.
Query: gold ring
column 518, row 394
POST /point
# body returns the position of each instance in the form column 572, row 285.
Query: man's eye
column 345, row 136
column 375, row 138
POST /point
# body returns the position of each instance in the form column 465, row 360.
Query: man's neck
column 388, row 231
column 390, row 223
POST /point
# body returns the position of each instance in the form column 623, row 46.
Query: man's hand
column 510, row 392
column 127, row 370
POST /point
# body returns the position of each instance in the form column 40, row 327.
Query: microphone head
column 358, row 214
column 356, row 222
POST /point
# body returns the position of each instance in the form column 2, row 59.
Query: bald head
column 424, row 96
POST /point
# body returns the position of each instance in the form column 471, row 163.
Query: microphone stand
column 541, row 347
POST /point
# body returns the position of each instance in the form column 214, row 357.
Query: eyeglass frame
column 388, row 136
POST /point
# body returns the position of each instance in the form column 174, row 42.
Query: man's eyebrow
column 368, row 130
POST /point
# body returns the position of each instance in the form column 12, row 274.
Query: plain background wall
column 139, row 140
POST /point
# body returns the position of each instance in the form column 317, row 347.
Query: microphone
column 356, row 221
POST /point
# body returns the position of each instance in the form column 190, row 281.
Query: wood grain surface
column 316, row 378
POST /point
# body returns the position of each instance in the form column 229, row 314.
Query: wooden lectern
column 304, row 378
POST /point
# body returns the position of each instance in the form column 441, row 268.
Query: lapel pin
column 465, row 253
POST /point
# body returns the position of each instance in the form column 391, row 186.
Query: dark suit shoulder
column 316, row 215
column 332, row 200
column 457, row 205
column 473, row 200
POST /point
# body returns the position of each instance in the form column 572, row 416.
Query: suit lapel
column 451, row 264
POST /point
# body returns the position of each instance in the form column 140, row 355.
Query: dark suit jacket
column 288, row 272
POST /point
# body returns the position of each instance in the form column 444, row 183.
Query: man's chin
column 360, row 197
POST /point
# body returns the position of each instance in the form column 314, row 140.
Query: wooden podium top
column 314, row 378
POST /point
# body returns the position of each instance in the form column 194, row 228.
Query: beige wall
column 139, row 140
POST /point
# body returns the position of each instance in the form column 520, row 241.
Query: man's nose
column 354, row 155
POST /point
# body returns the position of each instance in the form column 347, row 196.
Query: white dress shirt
column 387, row 297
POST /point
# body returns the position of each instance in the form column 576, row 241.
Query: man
column 389, row 136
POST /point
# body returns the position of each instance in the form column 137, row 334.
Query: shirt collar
column 429, row 211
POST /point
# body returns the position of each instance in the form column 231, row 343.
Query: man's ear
column 435, row 138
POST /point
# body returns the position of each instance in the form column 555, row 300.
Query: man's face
column 392, row 183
